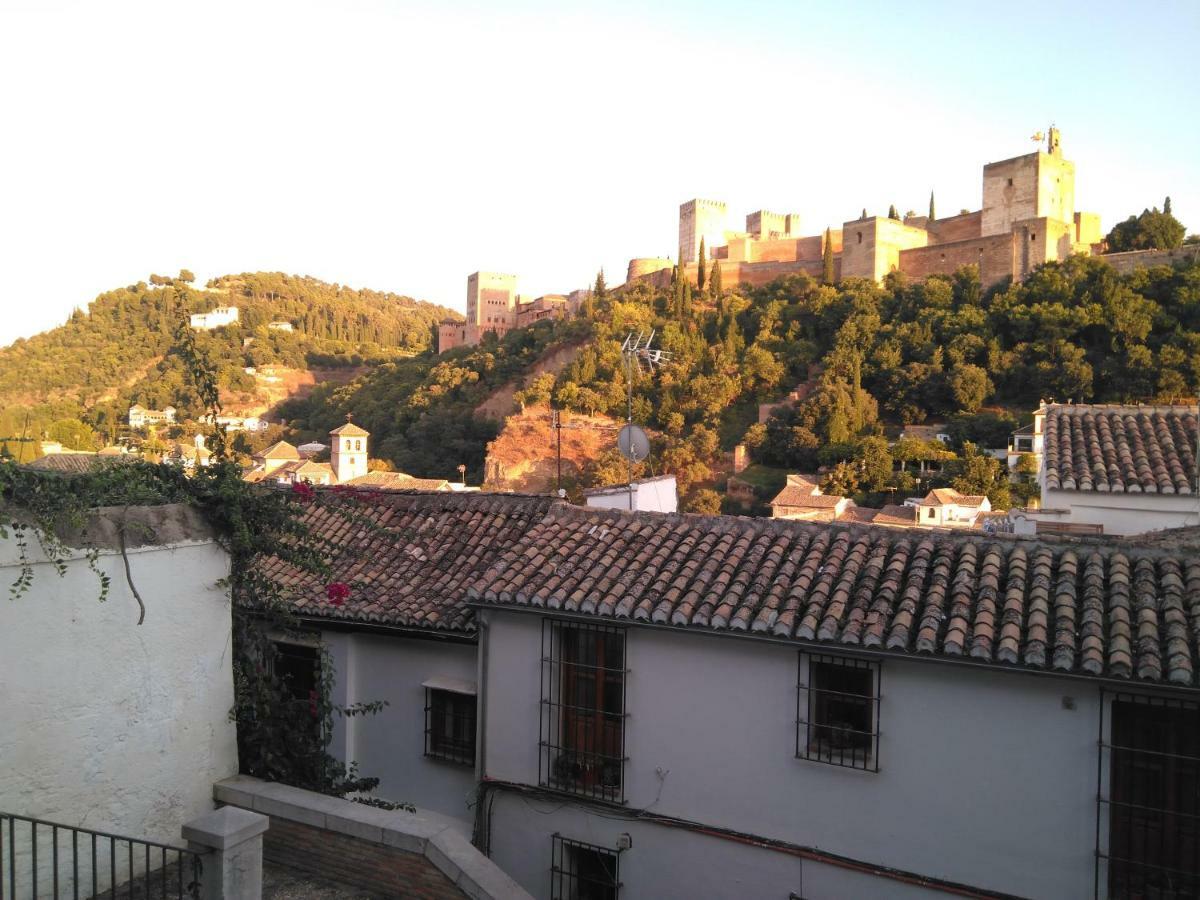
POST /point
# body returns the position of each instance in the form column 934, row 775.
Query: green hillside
column 118, row 351
column 878, row 356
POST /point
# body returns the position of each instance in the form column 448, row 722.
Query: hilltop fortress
column 1028, row 217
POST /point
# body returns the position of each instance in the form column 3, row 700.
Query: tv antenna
column 633, row 441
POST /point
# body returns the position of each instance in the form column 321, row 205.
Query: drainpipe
column 483, row 616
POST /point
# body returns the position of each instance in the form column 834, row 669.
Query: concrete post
column 231, row 841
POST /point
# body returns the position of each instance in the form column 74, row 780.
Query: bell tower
column 348, row 454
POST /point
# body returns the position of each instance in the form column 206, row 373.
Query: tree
column 600, row 291
column 977, row 474
column 73, row 434
column 703, row 501
column 702, row 263
column 969, row 386
column 536, row 392
column 1167, row 206
column 864, row 213
column 714, row 281
column 892, row 214
column 827, row 259
column 1152, row 230
column 932, row 214
column 186, row 276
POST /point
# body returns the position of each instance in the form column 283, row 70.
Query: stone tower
column 491, row 299
column 1035, row 186
column 348, row 456
column 700, row 219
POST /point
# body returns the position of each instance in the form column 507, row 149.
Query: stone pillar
column 230, row 840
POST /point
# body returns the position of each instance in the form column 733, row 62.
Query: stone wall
column 992, row 254
column 1144, row 259
column 956, row 228
column 1009, row 193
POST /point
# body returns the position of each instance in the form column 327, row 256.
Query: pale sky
column 402, row 146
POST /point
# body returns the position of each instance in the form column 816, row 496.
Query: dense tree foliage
column 101, row 361
column 1152, row 230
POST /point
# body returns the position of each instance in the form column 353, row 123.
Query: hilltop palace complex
column 1028, row 218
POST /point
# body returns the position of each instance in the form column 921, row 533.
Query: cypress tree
column 892, row 214
column 714, row 280
column 1167, row 206
column 601, row 289
column 700, row 266
column 827, row 259
column 864, row 215
column 932, row 214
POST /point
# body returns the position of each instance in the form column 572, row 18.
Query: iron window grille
column 580, row 871
column 1148, row 797
column 837, row 711
column 582, row 741
column 450, row 726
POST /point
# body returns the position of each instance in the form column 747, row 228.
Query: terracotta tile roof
column 1098, row 610
column 399, row 481
column 1129, row 449
column 896, row 514
column 949, row 496
column 71, row 463
column 278, row 450
column 793, row 495
column 407, row 557
column 350, row 430
column 304, row 468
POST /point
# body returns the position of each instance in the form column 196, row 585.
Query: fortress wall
column 1009, row 193
column 646, row 265
column 956, row 228
column 993, row 255
column 1144, row 259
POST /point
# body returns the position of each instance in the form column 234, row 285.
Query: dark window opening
column 860, row 237
column 1153, row 798
column 583, row 709
column 932, row 514
column 1010, row 182
column 581, row 871
column 298, row 667
column 450, row 726
column 838, row 711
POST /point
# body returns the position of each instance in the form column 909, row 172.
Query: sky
column 402, row 146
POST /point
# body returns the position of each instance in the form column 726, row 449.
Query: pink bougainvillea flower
column 303, row 490
column 337, row 592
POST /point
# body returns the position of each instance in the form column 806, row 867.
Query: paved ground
column 287, row 884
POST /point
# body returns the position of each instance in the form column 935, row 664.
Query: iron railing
column 582, row 745
column 837, row 711
column 450, row 726
column 49, row 859
column 1148, row 797
column 579, row 870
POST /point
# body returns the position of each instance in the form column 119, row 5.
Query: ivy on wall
column 281, row 737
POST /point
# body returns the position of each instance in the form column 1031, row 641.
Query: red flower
column 303, row 490
column 337, row 592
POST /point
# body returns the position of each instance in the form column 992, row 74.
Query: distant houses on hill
column 218, row 318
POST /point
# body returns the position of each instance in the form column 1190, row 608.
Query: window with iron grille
column 581, row 871
column 450, row 726
column 1148, row 821
column 582, row 746
column 837, row 711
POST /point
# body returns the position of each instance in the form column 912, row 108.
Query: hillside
column 880, row 356
column 118, row 351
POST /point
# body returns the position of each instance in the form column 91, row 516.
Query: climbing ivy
column 281, row 737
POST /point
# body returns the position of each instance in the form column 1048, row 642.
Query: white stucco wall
column 985, row 778
column 391, row 744
column 108, row 724
column 1125, row 514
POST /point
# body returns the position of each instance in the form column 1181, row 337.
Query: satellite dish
column 633, row 443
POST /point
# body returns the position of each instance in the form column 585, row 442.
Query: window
column 358, row 445
column 581, row 871
column 931, row 513
column 298, row 666
column 1152, row 798
column 837, row 711
column 582, row 747
column 450, row 721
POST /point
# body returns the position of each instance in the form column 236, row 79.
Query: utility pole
column 556, row 424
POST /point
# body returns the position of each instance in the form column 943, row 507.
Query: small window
column 838, row 711
column 932, row 514
column 358, row 445
column 580, row 871
column 1010, row 182
column 450, row 726
column 298, row 667
column 860, row 237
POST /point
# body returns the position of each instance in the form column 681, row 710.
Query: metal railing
column 48, row 859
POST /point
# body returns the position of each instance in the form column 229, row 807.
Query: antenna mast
column 637, row 352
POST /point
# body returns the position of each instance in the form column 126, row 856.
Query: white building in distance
column 218, row 318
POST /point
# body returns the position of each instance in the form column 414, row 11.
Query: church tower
column 348, row 456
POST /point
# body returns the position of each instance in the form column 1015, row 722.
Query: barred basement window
column 582, row 746
column 837, row 711
column 581, row 871
column 1148, row 810
column 450, row 720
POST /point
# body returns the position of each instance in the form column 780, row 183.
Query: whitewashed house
column 218, row 318
column 686, row 706
column 1120, row 470
column 140, row 416
column 802, row 498
column 658, row 493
